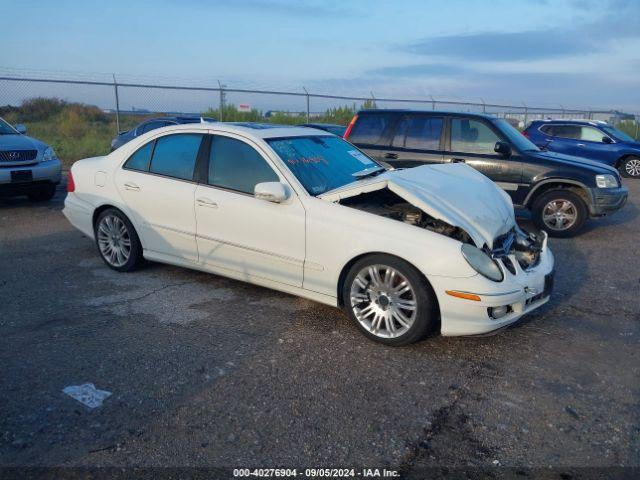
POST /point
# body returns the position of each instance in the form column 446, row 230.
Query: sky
column 571, row 53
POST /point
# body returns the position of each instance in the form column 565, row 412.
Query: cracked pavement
column 206, row 371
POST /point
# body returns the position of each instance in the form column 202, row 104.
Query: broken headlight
column 481, row 262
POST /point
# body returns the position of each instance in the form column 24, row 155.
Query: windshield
column 516, row 138
column 6, row 129
column 620, row 135
column 322, row 163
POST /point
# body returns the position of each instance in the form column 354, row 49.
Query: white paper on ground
column 87, row 394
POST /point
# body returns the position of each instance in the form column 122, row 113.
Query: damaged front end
column 387, row 204
column 518, row 246
column 514, row 246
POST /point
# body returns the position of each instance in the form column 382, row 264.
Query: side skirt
column 224, row 272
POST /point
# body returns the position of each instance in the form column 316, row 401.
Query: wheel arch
column 345, row 271
column 623, row 157
column 106, row 206
column 546, row 185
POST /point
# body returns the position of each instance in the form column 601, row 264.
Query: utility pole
column 222, row 98
column 308, row 108
column 115, row 87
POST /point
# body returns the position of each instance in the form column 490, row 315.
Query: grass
column 78, row 131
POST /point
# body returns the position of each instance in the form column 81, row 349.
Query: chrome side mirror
column 21, row 128
column 275, row 192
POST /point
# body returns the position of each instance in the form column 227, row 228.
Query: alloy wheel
column 383, row 301
column 632, row 167
column 114, row 240
column 559, row 214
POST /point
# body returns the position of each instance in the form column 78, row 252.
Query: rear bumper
column 79, row 213
column 607, row 200
column 42, row 173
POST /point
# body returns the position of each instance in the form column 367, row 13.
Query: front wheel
column 390, row 301
column 560, row 213
column 630, row 167
column 117, row 241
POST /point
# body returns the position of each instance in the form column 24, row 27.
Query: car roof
column 181, row 118
column 259, row 130
column 404, row 111
column 319, row 124
column 574, row 121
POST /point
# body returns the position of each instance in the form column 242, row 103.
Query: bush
column 39, row 108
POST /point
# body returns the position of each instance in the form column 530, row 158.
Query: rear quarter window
column 369, row 129
column 140, row 159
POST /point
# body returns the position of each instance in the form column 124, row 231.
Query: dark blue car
column 590, row 139
column 152, row 124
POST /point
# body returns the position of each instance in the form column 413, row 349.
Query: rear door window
column 175, row 155
column 419, row 132
column 472, row 136
column 369, row 129
column 563, row 131
column 235, row 165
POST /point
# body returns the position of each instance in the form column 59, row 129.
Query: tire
column 42, row 194
column 630, row 167
column 117, row 241
column 570, row 213
column 377, row 302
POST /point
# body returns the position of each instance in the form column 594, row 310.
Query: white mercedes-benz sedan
column 404, row 252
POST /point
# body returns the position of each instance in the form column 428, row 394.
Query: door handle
column 581, row 145
column 205, row 202
column 391, row 156
column 131, row 186
column 458, row 160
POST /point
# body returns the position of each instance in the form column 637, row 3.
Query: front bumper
column 521, row 293
column 23, row 178
column 606, row 200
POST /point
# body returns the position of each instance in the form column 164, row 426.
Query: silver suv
column 27, row 166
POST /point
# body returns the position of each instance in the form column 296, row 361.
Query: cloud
column 431, row 69
column 621, row 22
column 531, row 45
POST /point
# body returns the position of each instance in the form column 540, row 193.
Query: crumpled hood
column 19, row 142
column 454, row 193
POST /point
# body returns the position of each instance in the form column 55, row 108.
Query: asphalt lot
column 206, row 371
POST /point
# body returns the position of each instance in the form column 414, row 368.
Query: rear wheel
column 117, row 241
column 560, row 213
column 390, row 301
column 42, row 194
column 630, row 167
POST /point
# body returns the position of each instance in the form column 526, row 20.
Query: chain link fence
column 78, row 114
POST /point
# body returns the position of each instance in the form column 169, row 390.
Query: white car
column 404, row 252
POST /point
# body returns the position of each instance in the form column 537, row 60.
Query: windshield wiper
column 369, row 172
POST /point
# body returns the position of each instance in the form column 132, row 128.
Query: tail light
column 71, row 185
column 525, row 133
column 350, row 127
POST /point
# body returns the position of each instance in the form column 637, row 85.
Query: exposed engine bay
column 387, row 204
column 517, row 244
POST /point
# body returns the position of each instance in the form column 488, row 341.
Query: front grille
column 508, row 264
column 18, row 155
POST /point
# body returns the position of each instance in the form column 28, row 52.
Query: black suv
column 561, row 191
